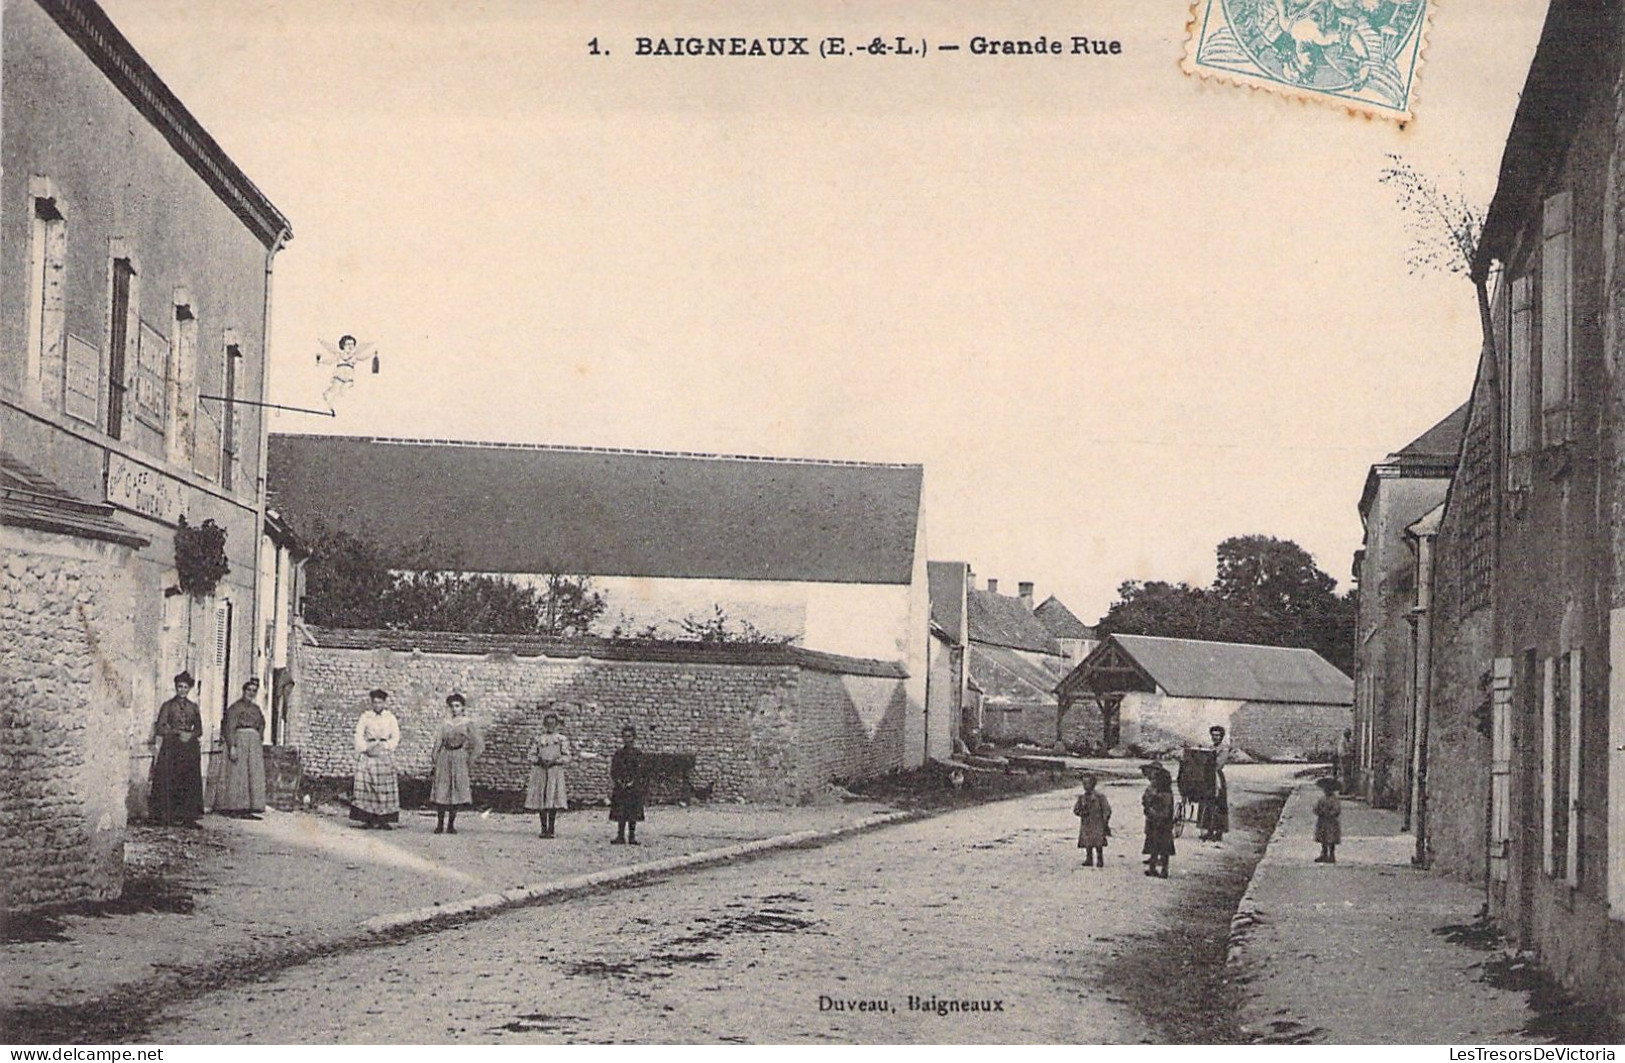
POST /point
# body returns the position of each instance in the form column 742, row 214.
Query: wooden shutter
column 1616, row 764
column 1548, row 767
column 1571, row 856
column 1556, row 301
column 1500, row 767
column 1520, row 410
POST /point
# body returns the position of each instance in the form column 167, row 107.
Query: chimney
column 1026, row 595
column 993, row 586
column 970, row 578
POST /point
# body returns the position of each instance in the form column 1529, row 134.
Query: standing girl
column 457, row 745
column 377, row 802
column 1158, row 805
column 549, row 753
column 1328, row 821
column 1094, row 814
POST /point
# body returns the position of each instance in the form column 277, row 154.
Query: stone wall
column 66, row 609
column 1280, row 731
column 764, row 723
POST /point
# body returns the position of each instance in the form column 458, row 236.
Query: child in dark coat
column 1328, row 821
column 1094, row 814
column 629, row 785
column 1158, row 804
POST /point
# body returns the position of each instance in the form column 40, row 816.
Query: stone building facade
column 1527, row 702
column 1160, row 694
column 762, row 723
column 1398, row 490
column 135, row 263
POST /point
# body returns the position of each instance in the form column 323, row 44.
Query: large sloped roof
column 1000, row 620
column 1443, row 440
column 538, row 509
column 1188, row 668
column 1062, row 622
column 1005, row 675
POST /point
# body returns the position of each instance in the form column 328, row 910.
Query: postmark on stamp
column 1363, row 55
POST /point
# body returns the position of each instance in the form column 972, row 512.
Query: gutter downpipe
column 260, row 502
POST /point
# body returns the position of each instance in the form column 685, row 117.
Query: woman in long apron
column 243, row 728
column 377, row 800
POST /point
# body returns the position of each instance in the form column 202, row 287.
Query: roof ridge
column 581, row 449
column 1216, row 642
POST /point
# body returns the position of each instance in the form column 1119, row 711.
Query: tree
column 719, row 627
column 1445, row 226
column 1267, row 592
column 349, row 583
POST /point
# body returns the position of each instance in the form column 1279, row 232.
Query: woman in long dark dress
column 243, row 730
column 629, row 785
column 1158, row 805
column 177, row 771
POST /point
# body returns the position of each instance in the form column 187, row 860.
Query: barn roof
column 1062, row 622
column 1000, row 620
column 1188, row 668
column 536, row 509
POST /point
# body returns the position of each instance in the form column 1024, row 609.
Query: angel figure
column 343, row 360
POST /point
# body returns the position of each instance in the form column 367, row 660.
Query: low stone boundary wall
column 763, row 722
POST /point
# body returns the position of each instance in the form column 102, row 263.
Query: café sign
column 137, row 488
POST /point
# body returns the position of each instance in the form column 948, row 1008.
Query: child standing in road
column 1094, row 814
column 1158, row 805
column 1328, row 821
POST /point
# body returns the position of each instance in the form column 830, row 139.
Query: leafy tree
column 350, row 584
column 1267, row 591
column 719, row 627
column 1445, row 226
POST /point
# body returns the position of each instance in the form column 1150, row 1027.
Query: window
column 118, row 340
column 1520, row 403
column 47, row 317
column 228, row 432
column 182, row 381
column 1560, row 766
column 1556, row 289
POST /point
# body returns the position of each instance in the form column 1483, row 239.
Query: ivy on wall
column 200, row 557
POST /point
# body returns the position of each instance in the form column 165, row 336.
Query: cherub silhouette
column 343, row 359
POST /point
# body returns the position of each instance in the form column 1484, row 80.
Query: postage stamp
column 1363, row 55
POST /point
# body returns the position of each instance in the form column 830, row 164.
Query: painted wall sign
column 142, row 490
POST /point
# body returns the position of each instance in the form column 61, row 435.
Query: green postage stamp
column 1363, row 55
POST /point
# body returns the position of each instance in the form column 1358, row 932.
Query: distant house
column 135, row 277
column 1015, row 662
column 948, row 692
column 827, row 554
column 1076, row 637
column 1159, row 693
column 1398, row 490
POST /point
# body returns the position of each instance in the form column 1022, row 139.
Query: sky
column 1117, row 312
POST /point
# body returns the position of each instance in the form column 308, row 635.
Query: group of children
column 1094, row 814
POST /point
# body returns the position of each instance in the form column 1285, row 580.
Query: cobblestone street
column 988, row 905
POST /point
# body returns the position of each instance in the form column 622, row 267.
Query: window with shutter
column 120, row 330
column 182, row 381
column 1520, row 400
column 1500, row 767
column 1571, row 794
column 47, row 309
column 1556, row 300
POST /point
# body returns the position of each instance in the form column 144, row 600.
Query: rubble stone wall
column 66, row 622
column 757, row 731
